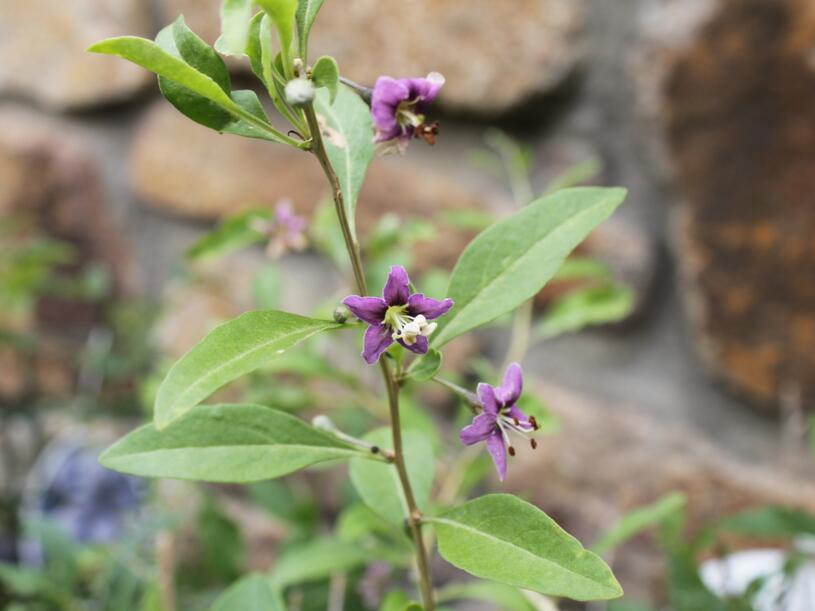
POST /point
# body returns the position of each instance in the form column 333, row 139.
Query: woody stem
column 351, row 245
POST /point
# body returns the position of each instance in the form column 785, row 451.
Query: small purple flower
column 500, row 415
column 398, row 106
column 398, row 315
column 286, row 231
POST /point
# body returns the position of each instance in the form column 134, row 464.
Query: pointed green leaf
column 508, row 263
column 770, row 521
column 181, row 41
column 379, row 487
column 306, row 13
column 251, row 593
column 178, row 40
column 265, row 64
column 235, row 232
column 639, row 520
column 584, row 307
column 169, row 65
column 505, row 597
column 426, row 367
column 225, row 443
column 348, row 141
column 235, row 18
column 502, row 538
column 399, row 601
column 316, row 560
column 254, row 50
column 150, row 55
column 282, row 13
column 230, row 351
column 326, row 73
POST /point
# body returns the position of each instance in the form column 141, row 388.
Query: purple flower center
column 398, row 316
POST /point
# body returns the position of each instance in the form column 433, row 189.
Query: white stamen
column 408, row 328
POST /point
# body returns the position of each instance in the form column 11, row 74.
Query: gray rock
column 43, row 44
column 505, row 52
column 734, row 96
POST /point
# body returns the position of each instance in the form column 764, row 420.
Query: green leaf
column 150, row 55
column 511, row 261
column 252, row 593
column 629, row 606
column 266, row 65
column 583, row 268
column 349, row 142
column 326, row 73
column 399, row 601
column 230, row 351
column 358, row 521
column 235, row 18
column 267, row 287
column 282, row 12
column 584, row 307
column 225, row 443
column 503, row 596
column 426, row 367
column 254, row 48
column 578, row 174
column 172, row 68
column 234, row 233
column 639, row 520
column 306, row 13
column 503, row 538
column 316, row 560
column 178, row 40
column 772, row 521
column 222, row 551
column 379, row 487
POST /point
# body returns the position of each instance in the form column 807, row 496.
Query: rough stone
column 185, row 169
column 505, row 51
column 43, row 48
column 736, row 105
column 49, row 178
column 609, row 459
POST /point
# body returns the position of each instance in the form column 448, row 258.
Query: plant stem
column 414, row 519
column 351, row 245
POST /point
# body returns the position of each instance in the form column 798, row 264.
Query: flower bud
column 299, row 91
column 323, row 423
column 341, row 314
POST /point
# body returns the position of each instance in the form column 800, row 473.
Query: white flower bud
column 299, row 91
column 323, row 423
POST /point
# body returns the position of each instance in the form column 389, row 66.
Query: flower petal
column 377, row 339
column 430, row 308
column 483, row 426
column 397, row 288
column 387, row 94
column 424, row 90
column 516, row 414
column 495, row 446
column 420, row 346
column 486, row 396
column 369, row 309
column 512, row 386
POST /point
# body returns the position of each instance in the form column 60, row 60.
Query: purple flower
column 398, row 106
column 286, row 230
column 499, row 416
column 398, row 315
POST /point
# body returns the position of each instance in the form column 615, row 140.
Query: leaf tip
column 98, row 47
